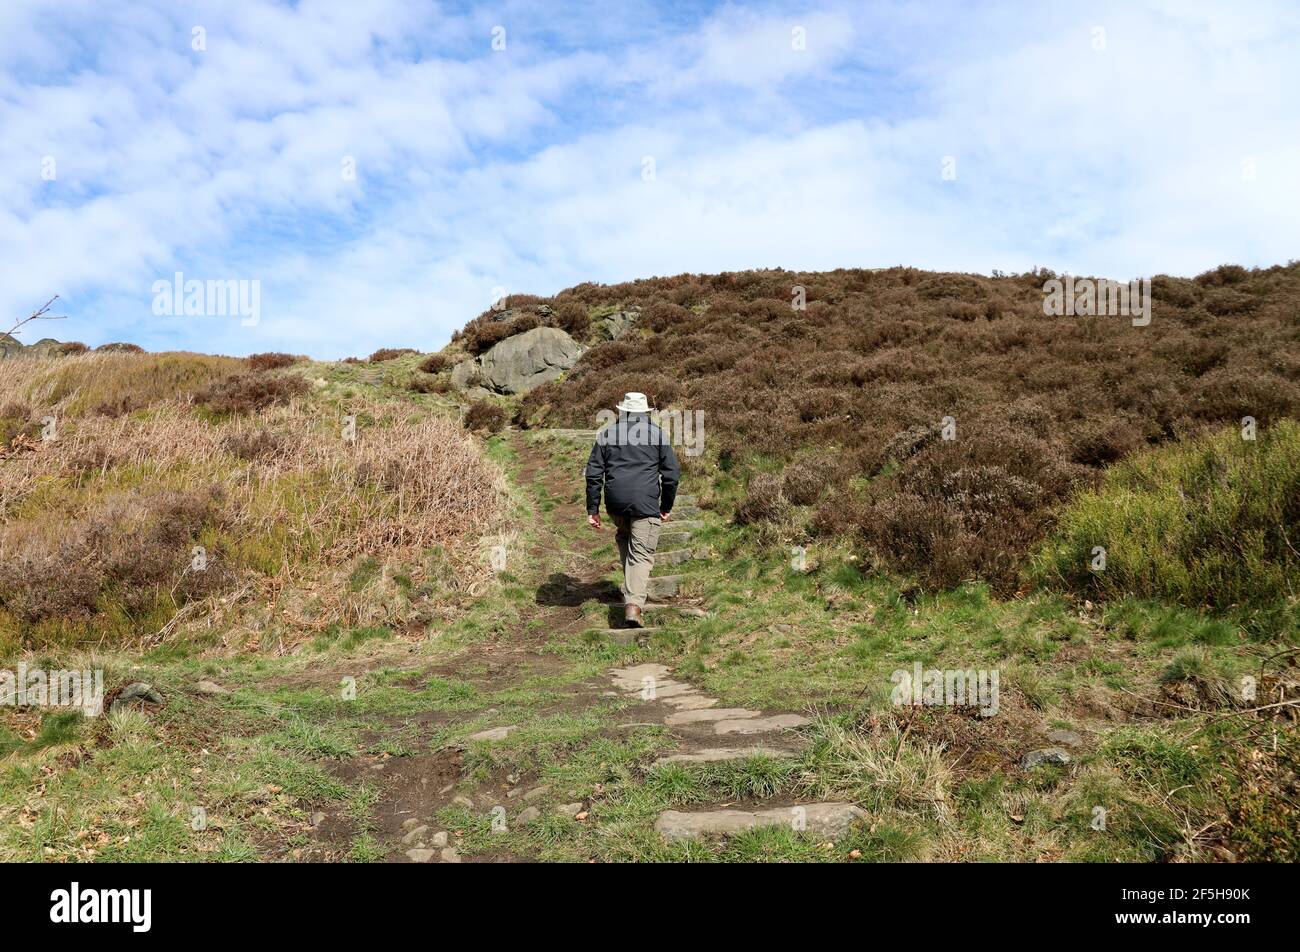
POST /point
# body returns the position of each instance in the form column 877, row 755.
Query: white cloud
column 524, row 168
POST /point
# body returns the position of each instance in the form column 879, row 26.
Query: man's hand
column 593, row 520
column 663, row 516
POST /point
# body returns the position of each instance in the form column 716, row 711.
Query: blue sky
column 1113, row 139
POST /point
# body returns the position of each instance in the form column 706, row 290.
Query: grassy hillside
column 841, row 407
column 152, row 459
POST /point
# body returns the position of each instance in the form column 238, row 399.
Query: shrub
column 1223, row 274
column 428, row 383
column 764, row 501
column 967, row 508
column 254, row 444
column 389, row 353
column 1211, row 521
column 137, row 546
column 433, row 364
column 572, row 318
column 484, row 334
column 71, row 348
column 119, row 348
column 16, row 419
column 250, row 392
column 271, row 361
column 804, row 481
column 485, row 416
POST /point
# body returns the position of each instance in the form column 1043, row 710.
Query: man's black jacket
column 637, row 468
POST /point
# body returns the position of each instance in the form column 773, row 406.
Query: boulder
column 519, row 364
column 615, row 325
column 1047, row 755
column 45, row 347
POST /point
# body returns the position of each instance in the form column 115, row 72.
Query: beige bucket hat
column 633, row 403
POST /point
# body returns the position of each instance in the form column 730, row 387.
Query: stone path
column 826, row 821
column 672, row 553
column 704, row 731
column 698, row 724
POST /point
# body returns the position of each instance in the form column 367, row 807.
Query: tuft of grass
column 878, row 766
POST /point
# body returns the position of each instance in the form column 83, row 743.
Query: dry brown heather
column 97, row 525
column 849, row 394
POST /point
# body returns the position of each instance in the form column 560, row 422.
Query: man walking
column 637, row 468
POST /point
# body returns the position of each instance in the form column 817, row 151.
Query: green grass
column 1214, row 521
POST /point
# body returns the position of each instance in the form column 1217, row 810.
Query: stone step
column 624, row 636
column 759, row 725
column 674, row 537
column 687, row 611
column 631, row 679
column 715, row 714
column 680, row 525
column 675, row 557
column 571, row 434
column 685, row 512
column 713, row 755
column 822, row 820
column 663, row 586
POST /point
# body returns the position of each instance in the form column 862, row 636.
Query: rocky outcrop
column 520, row 363
column 45, row 347
column 615, row 325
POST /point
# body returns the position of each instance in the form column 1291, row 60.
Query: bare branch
column 41, row 314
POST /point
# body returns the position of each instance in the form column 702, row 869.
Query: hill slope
column 834, row 415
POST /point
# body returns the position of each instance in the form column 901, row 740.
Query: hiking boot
column 632, row 617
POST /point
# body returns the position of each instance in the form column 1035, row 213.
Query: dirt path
column 565, row 570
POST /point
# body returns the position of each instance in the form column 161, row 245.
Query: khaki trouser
column 637, row 540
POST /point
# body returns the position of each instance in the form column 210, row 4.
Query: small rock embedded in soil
column 1047, row 755
column 450, row 855
column 495, row 733
column 439, row 839
column 569, row 809
column 1068, row 738
column 463, row 801
column 419, row 856
column 537, row 792
column 529, row 814
column 410, row 824
column 210, row 687
column 139, row 691
column 413, row 837
column 317, row 818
